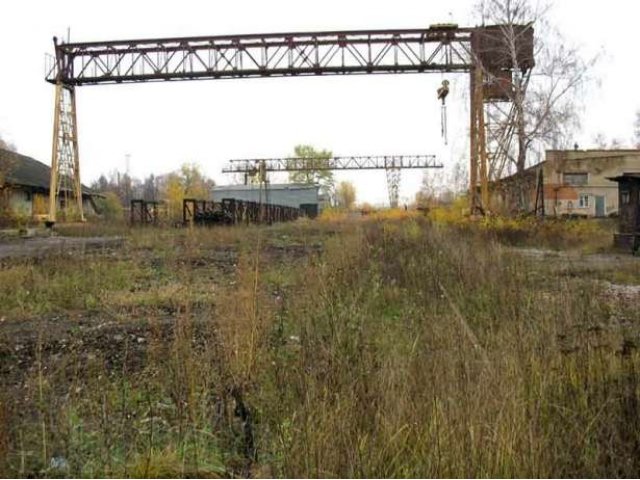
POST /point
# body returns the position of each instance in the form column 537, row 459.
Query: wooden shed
column 628, row 236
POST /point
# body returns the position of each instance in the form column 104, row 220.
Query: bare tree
column 150, row 188
column 636, row 130
column 6, row 145
column 542, row 111
column 603, row 143
column 616, row 143
column 345, row 195
column 431, row 187
column 600, row 141
column 7, row 160
column 458, row 179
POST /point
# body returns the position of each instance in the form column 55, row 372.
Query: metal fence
column 231, row 211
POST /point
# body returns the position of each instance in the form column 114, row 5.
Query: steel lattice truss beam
column 370, row 162
column 437, row 48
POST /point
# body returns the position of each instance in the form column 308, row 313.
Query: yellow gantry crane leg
column 478, row 201
column 53, row 183
column 65, row 157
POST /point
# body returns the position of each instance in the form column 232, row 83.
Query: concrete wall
column 515, row 194
column 26, row 203
column 563, row 199
column 20, row 203
column 282, row 194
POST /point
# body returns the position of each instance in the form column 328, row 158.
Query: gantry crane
column 481, row 51
column 392, row 164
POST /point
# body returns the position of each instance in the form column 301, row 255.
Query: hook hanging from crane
column 443, row 91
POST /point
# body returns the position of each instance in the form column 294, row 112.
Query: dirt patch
column 292, row 251
column 36, row 247
column 74, row 340
column 620, row 268
column 599, row 260
column 68, row 345
column 626, row 293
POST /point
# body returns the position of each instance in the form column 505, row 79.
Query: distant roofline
column 593, row 150
column 624, row 176
column 30, row 183
column 598, row 150
column 517, row 174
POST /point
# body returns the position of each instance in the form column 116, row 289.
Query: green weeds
column 379, row 348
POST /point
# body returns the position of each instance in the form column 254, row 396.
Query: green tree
column 110, row 207
column 187, row 182
column 194, row 182
column 318, row 172
column 345, row 195
column 174, row 194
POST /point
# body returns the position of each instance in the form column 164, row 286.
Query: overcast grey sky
column 163, row 125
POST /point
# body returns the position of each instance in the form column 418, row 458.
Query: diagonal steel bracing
column 438, row 48
column 65, row 160
column 357, row 162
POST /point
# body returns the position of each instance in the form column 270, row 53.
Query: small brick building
column 568, row 183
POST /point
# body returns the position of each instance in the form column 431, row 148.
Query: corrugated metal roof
column 286, row 194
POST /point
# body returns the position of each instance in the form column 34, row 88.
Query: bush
column 110, row 207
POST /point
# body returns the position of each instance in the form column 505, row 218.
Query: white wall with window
column 583, row 200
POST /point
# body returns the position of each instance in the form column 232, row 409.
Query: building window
column 625, row 197
column 575, row 179
column 584, row 201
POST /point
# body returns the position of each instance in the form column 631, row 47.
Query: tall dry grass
column 398, row 349
column 426, row 354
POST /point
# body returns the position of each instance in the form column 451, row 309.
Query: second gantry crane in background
column 392, row 164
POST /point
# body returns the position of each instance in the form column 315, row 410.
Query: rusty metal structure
column 145, row 212
column 65, row 157
column 203, row 212
column 392, row 164
column 503, row 58
column 231, row 211
column 439, row 48
column 360, row 162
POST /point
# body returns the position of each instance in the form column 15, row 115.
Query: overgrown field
column 376, row 347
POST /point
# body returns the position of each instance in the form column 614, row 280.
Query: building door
column 600, row 206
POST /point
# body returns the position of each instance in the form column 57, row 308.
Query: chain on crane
column 443, row 91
